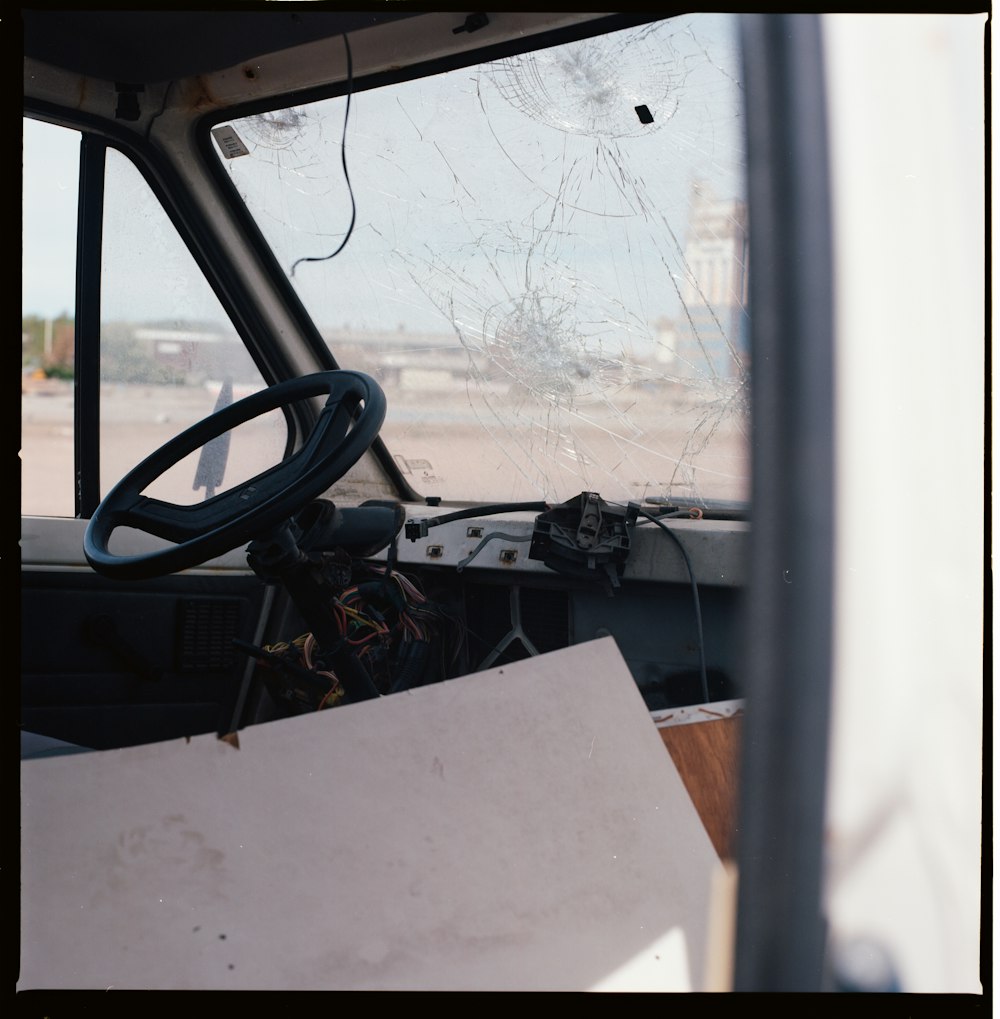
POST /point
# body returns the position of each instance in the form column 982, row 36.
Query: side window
column 169, row 354
column 50, row 162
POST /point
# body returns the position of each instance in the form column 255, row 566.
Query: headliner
column 143, row 47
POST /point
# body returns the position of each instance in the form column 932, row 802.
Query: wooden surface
column 707, row 756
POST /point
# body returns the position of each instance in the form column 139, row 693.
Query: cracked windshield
column 542, row 260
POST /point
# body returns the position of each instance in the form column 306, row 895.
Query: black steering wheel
column 347, row 426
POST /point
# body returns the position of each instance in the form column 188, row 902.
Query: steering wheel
column 347, row 426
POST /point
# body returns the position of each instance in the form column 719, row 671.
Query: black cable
column 694, row 590
column 390, row 561
column 485, row 541
column 481, row 511
column 343, row 160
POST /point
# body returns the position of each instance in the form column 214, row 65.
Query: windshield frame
column 326, row 355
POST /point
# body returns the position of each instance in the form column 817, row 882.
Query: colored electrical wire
column 390, row 626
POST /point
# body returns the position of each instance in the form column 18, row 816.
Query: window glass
column 169, row 354
column 541, row 259
column 51, row 167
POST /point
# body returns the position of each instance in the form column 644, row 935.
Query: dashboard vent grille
column 206, row 628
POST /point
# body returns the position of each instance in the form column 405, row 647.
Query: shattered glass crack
column 551, row 290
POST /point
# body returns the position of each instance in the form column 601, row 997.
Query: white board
column 519, row 829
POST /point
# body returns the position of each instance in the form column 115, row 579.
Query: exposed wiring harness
column 399, row 636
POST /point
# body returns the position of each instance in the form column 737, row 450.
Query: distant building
column 665, row 351
column 402, row 359
column 713, row 327
column 197, row 353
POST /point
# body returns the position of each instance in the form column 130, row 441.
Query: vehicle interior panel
column 369, row 352
column 102, row 672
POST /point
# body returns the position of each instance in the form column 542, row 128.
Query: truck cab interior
column 368, row 352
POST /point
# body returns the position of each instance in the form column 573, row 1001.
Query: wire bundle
column 392, row 629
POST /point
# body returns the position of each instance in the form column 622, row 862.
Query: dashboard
column 138, row 661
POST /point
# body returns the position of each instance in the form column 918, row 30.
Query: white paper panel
column 523, row 828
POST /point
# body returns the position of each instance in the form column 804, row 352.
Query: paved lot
column 450, row 446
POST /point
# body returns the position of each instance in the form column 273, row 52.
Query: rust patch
column 201, row 96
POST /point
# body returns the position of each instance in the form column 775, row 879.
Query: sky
column 533, row 174
column 48, row 244
column 485, row 192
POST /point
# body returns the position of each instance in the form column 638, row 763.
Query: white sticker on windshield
column 229, row 142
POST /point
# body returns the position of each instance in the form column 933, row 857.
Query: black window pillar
column 780, row 929
column 87, row 341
